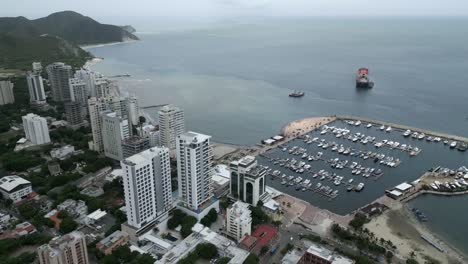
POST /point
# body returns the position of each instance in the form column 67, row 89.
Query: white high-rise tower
column 194, row 170
column 36, row 130
column 171, row 125
column 147, row 186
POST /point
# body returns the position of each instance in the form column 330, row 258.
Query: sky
column 232, row 8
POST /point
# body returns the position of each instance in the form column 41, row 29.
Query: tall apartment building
column 147, row 186
column 134, row 145
column 78, row 91
column 194, row 170
column 247, row 180
column 133, row 110
column 105, row 87
column 96, row 106
column 6, row 93
column 238, row 221
column 114, row 130
column 36, row 88
column 59, row 76
column 171, row 125
column 90, row 78
column 35, row 129
column 74, row 114
column 67, row 249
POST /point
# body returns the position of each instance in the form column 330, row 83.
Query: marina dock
column 401, row 128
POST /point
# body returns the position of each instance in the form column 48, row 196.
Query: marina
column 347, row 163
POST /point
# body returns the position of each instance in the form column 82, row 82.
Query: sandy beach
column 86, row 47
column 405, row 233
column 305, row 125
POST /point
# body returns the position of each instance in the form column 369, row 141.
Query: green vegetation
column 23, row 258
column 251, row 259
column 210, row 218
column 259, row 216
column 20, row 161
column 68, row 224
column 53, row 38
column 206, row 251
column 264, row 250
column 124, row 255
column 224, row 203
column 287, row 248
column 223, row 260
column 358, row 221
column 9, row 245
column 313, row 238
column 361, row 242
column 185, row 221
column 18, row 52
column 411, row 261
column 78, row 138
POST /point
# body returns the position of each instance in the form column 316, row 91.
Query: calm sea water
column 233, row 81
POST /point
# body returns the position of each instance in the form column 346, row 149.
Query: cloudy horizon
column 233, row 8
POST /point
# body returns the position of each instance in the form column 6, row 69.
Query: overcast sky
column 226, row 8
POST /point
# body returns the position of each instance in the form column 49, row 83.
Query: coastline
column 127, row 41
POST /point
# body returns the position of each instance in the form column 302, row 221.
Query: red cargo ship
column 362, row 79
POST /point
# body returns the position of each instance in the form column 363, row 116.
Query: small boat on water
column 297, row 94
column 359, row 187
column 453, row 144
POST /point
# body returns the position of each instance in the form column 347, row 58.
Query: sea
column 233, row 78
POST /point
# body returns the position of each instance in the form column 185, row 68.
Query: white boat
column 358, row 123
column 421, row 136
column 389, row 128
column 369, row 125
column 350, row 180
column 453, row 144
column 359, row 187
column 407, row 133
column 382, row 127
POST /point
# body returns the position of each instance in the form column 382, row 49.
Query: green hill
column 53, row 38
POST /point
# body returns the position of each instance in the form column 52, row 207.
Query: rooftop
column 240, row 210
column 112, row 238
column 246, row 161
column 403, row 187
column 9, row 183
column 143, row 156
column 194, row 137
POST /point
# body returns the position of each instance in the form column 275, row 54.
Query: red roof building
column 264, row 235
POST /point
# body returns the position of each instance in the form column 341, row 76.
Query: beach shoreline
column 92, row 46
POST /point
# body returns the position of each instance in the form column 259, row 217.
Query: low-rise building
column 113, row 241
column 15, row 188
column 238, row 221
column 63, row 152
column 315, row 254
column 24, row 229
column 76, row 209
column 264, row 235
column 54, row 168
column 202, row 234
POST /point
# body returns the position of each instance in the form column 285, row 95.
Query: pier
column 404, row 127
